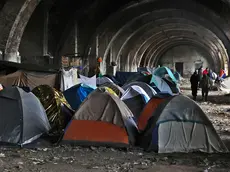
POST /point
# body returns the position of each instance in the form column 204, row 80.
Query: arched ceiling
column 132, row 32
column 144, row 31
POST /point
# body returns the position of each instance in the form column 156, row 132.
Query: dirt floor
column 78, row 159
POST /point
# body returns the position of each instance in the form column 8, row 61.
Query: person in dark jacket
column 205, row 86
column 194, row 80
column 200, row 73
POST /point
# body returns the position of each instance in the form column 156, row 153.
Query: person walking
column 200, row 74
column 194, row 80
column 205, row 86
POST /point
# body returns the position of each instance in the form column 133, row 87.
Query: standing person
column 205, row 86
column 200, row 74
column 194, row 80
column 206, row 71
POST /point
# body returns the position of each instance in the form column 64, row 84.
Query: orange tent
column 102, row 120
column 148, row 112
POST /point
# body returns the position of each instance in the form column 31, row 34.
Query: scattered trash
column 2, row 155
column 140, row 154
column 37, row 161
column 96, row 167
column 93, row 148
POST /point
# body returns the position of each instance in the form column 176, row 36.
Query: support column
column 97, row 46
column 76, row 38
column 45, row 30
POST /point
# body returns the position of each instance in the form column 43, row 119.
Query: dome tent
column 179, row 125
column 23, row 118
column 102, row 120
column 135, row 98
column 117, row 89
column 148, row 89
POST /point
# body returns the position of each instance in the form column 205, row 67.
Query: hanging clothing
column 75, row 76
column 67, row 79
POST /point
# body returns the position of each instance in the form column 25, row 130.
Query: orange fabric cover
column 95, row 131
column 148, row 112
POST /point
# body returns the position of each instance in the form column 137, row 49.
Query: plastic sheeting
column 91, row 82
column 28, row 79
column 54, row 103
column 180, row 125
column 23, row 118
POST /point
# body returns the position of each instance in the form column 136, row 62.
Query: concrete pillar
column 97, row 46
column 45, row 29
column 76, row 36
column 14, row 17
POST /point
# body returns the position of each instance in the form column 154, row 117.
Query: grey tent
column 148, row 89
column 23, row 118
column 102, row 120
column 102, row 80
column 117, row 89
column 179, row 125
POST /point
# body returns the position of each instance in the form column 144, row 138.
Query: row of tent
column 63, row 79
column 143, row 112
column 169, row 124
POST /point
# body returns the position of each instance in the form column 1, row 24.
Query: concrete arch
column 151, row 53
column 16, row 14
column 155, row 61
column 192, row 30
column 163, row 47
column 148, row 40
column 211, row 45
column 123, row 15
column 108, row 47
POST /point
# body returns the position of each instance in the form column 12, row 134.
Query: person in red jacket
column 205, row 72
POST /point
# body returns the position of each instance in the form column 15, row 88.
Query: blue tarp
column 76, row 95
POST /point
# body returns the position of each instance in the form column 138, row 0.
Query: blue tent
column 162, row 71
column 77, row 94
column 173, row 86
column 160, row 84
column 177, row 76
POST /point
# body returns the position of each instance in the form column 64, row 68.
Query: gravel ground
column 79, row 159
